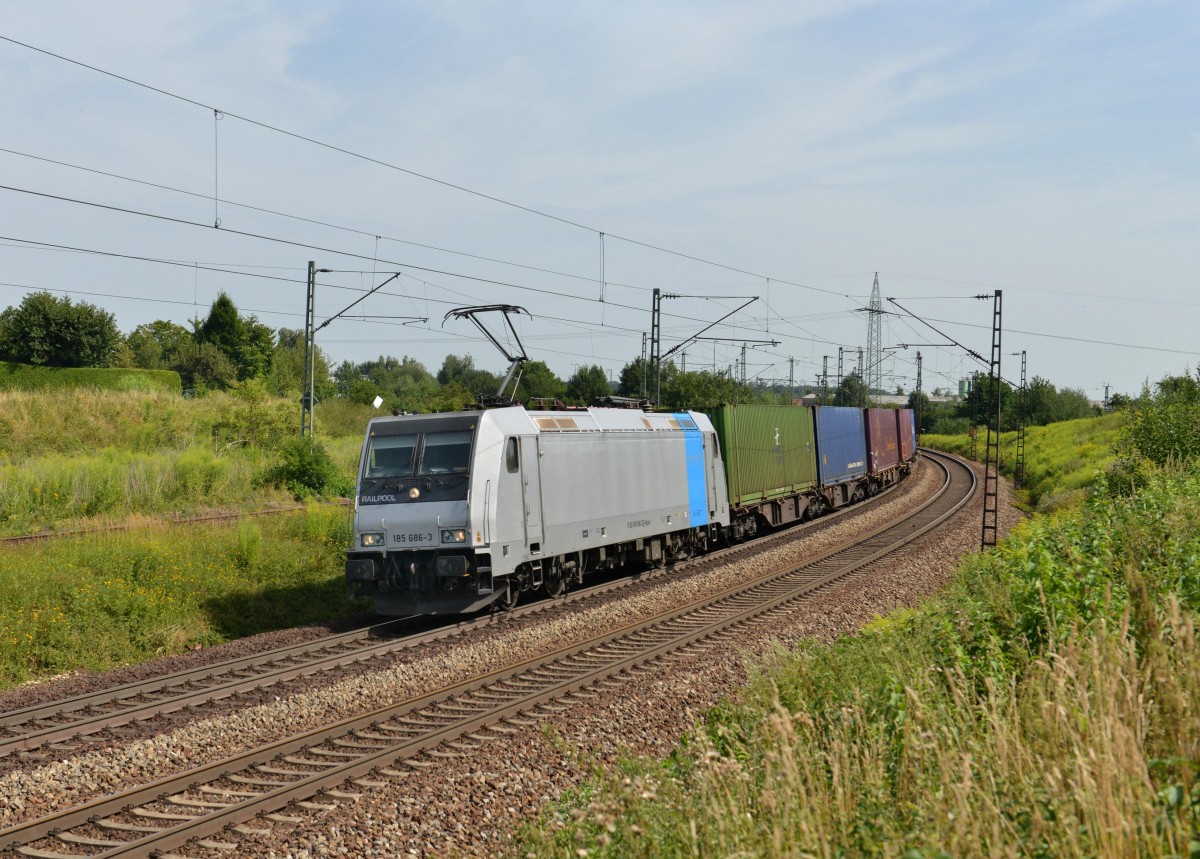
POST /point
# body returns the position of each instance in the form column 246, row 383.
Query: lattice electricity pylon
column 874, row 374
column 991, row 462
column 516, row 357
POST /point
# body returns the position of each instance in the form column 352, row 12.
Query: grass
column 1046, row 705
column 71, row 457
column 113, row 484
column 78, row 458
column 101, row 601
column 1062, row 460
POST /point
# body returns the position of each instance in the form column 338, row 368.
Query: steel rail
column 365, row 743
column 51, row 722
column 202, row 519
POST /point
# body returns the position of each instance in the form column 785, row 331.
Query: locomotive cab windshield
column 419, row 454
column 417, row 459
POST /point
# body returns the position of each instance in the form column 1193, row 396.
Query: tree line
column 1043, row 404
column 226, row 348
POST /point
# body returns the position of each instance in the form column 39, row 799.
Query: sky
column 569, row 158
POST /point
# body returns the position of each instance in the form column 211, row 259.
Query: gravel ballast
column 470, row 803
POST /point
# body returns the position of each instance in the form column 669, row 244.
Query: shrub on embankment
column 72, row 455
column 1048, row 704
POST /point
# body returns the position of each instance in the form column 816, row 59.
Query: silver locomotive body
column 457, row 511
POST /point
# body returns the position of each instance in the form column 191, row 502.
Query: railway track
column 70, row 722
column 206, row 519
column 336, row 762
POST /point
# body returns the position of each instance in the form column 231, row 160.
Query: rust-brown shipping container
column 906, row 430
column 883, row 447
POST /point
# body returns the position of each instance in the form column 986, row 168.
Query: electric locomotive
column 459, row 511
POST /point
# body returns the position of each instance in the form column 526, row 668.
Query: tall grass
column 1046, row 706
column 80, row 420
column 101, row 601
column 77, row 420
column 114, row 483
column 73, row 455
column 1061, row 460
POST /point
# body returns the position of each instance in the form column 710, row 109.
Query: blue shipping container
column 841, row 444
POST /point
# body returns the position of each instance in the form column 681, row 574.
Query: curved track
column 319, row 767
column 70, row 721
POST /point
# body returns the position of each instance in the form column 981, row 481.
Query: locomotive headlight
column 371, row 540
column 454, row 535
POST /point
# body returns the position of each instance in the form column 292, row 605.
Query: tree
column 223, row 328
column 54, row 332
column 246, row 342
column 253, row 359
column 1164, row 427
column 399, row 376
column 462, row 369
column 1044, row 404
column 286, row 376
column 637, row 372
column 203, row 367
column 634, row 378
column 538, row 380
column 703, row 389
column 588, row 384
column 852, row 391
column 155, row 344
column 979, row 406
column 918, row 401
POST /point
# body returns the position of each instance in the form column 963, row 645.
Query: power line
column 317, row 222
column 1077, row 339
column 583, row 324
column 462, row 188
column 450, row 336
column 179, row 263
column 1037, row 290
column 323, row 249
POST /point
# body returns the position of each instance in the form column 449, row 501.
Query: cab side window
column 511, row 460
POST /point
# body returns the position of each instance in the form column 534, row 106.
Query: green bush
column 23, row 377
column 306, row 469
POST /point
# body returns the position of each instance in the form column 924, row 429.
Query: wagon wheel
column 555, row 584
column 506, row 600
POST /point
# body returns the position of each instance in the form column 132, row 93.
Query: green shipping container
column 769, row 451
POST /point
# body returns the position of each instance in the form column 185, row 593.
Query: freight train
column 462, row 511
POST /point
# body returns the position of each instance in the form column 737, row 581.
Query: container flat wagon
column 906, row 431
column 841, row 454
column 770, row 460
column 883, row 447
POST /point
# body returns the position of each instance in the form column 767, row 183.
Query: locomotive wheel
column 507, row 600
column 556, row 584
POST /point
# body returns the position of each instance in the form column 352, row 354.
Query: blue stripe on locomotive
column 693, row 441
